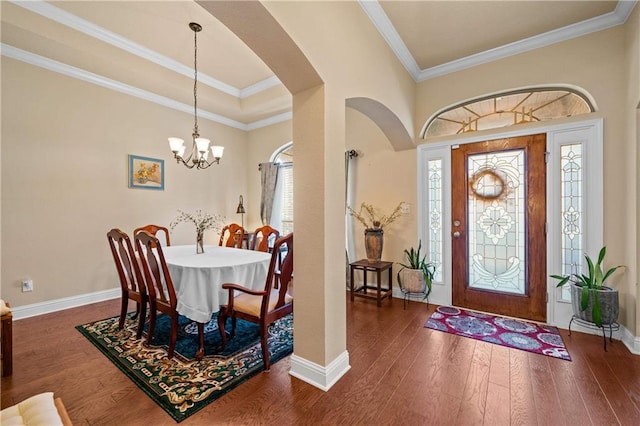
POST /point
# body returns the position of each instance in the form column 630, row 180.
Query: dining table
column 198, row 277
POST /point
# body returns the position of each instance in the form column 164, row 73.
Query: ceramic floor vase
column 373, row 240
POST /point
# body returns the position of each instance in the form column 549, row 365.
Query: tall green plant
column 417, row 262
column 590, row 282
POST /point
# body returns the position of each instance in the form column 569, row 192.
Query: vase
column 200, row 243
column 373, row 239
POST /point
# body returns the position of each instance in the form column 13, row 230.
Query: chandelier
column 199, row 153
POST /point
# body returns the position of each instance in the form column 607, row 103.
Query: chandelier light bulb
column 217, row 151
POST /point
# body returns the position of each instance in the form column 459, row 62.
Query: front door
column 498, row 226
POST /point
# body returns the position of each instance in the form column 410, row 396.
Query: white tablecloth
column 198, row 278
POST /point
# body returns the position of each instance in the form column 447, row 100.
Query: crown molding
column 381, row 21
column 285, row 116
column 259, row 87
column 385, row 27
column 80, row 74
column 72, row 21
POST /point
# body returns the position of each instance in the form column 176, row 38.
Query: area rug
column 182, row 385
column 518, row 334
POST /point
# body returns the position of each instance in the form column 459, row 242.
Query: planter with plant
column 416, row 276
column 591, row 300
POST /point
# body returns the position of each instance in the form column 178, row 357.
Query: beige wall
column 595, row 63
column 632, row 109
column 64, row 179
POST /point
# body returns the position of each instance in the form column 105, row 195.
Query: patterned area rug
column 181, row 385
column 518, row 334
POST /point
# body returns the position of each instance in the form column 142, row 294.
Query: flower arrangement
column 368, row 215
column 202, row 221
column 146, row 173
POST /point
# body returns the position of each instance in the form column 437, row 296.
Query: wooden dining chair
column 232, row 235
column 264, row 306
column 162, row 295
column 131, row 280
column 260, row 239
column 153, row 230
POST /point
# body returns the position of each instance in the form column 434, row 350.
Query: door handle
column 456, row 235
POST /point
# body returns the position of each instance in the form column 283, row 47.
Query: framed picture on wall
column 146, row 173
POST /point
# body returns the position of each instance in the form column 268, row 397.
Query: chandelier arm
column 180, row 160
column 204, row 164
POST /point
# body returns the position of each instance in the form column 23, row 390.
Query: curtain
column 268, row 180
column 348, row 195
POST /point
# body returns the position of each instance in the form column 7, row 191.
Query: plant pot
column 373, row 240
column 608, row 299
column 412, row 281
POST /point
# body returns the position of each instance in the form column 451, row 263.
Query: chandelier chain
column 195, row 82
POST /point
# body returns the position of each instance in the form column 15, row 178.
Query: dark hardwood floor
column 401, row 373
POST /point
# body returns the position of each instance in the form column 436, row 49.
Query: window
column 282, row 216
column 508, row 108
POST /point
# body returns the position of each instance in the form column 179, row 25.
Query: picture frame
column 146, row 173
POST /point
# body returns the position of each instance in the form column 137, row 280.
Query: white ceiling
column 145, row 48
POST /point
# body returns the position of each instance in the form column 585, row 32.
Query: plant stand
column 612, row 327
column 407, row 295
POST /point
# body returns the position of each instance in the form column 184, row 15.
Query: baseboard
column 317, row 375
column 27, row 311
column 632, row 342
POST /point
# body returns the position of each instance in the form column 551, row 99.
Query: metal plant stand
column 612, row 327
column 409, row 294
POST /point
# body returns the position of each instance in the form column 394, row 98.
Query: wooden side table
column 372, row 292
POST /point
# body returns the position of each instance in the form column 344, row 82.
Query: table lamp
column 240, row 210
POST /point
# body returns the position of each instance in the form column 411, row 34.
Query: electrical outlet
column 405, row 208
column 27, row 285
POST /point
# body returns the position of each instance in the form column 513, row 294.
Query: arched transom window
column 507, row 109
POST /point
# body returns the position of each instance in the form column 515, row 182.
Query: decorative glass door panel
column 498, row 226
column 496, row 221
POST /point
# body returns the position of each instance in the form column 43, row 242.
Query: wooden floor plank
column 474, row 398
column 575, row 412
column 624, row 408
column 523, row 409
column 547, row 400
column 598, row 408
column 498, row 406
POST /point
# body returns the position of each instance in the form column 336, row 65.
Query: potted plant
column 416, row 276
column 591, row 300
